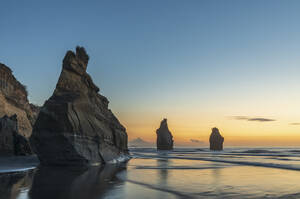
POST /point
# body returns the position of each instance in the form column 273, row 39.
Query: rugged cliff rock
column 11, row 142
column 164, row 137
column 75, row 126
column 13, row 100
column 216, row 140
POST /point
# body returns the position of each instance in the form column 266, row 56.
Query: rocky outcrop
column 75, row 126
column 164, row 137
column 11, row 142
column 13, row 100
column 216, row 140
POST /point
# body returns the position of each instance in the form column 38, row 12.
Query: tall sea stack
column 216, row 140
column 75, row 126
column 164, row 137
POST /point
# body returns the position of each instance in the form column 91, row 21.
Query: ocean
column 181, row 173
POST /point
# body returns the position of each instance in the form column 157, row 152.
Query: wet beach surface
column 183, row 173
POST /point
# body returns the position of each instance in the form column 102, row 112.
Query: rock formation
column 75, row 126
column 164, row 137
column 11, row 142
column 13, row 100
column 216, row 140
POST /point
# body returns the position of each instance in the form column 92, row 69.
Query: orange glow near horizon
column 236, row 132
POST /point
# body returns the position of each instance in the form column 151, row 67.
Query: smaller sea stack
column 216, row 140
column 164, row 137
column 11, row 142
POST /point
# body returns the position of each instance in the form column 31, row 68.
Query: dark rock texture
column 13, row 100
column 11, row 142
column 75, row 126
column 216, row 140
column 164, row 137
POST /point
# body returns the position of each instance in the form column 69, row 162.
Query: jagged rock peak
column 75, row 125
column 216, row 140
column 164, row 136
column 79, row 80
column 164, row 124
column 80, row 59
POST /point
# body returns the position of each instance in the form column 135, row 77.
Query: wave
column 257, row 151
column 159, row 188
column 178, row 167
column 15, row 164
column 122, row 158
column 230, row 161
column 16, row 170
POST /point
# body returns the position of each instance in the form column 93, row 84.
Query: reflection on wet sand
column 163, row 177
column 163, row 173
column 73, row 183
column 12, row 184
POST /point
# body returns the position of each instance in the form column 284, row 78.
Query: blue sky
column 162, row 55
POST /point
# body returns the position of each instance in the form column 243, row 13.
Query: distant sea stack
column 139, row 142
column 216, row 140
column 75, row 126
column 13, row 100
column 164, row 137
column 11, row 142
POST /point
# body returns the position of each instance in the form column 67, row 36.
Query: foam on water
column 120, row 159
column 282, row 158
column 14, row 170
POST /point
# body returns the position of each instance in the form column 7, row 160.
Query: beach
column 182, row 173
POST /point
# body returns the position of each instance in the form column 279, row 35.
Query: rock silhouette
column 164, row 137
column 11, row 142
column 13, row 100
column 216, row 140
column 75, row 126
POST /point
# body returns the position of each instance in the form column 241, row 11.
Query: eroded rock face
column 216, row 140
column 164, row 137
column 13, row 100
column 11, row 142
column 75, row 126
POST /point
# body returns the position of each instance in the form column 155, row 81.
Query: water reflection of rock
column 163, row 172
column 73, row 183
column 11, row 184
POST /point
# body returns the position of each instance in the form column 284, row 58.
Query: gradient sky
column 198, row 63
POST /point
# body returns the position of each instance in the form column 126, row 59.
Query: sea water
column 181, row 173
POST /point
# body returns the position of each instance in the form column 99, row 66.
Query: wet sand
column 160, row 177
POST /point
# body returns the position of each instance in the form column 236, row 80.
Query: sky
column 200, row 63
